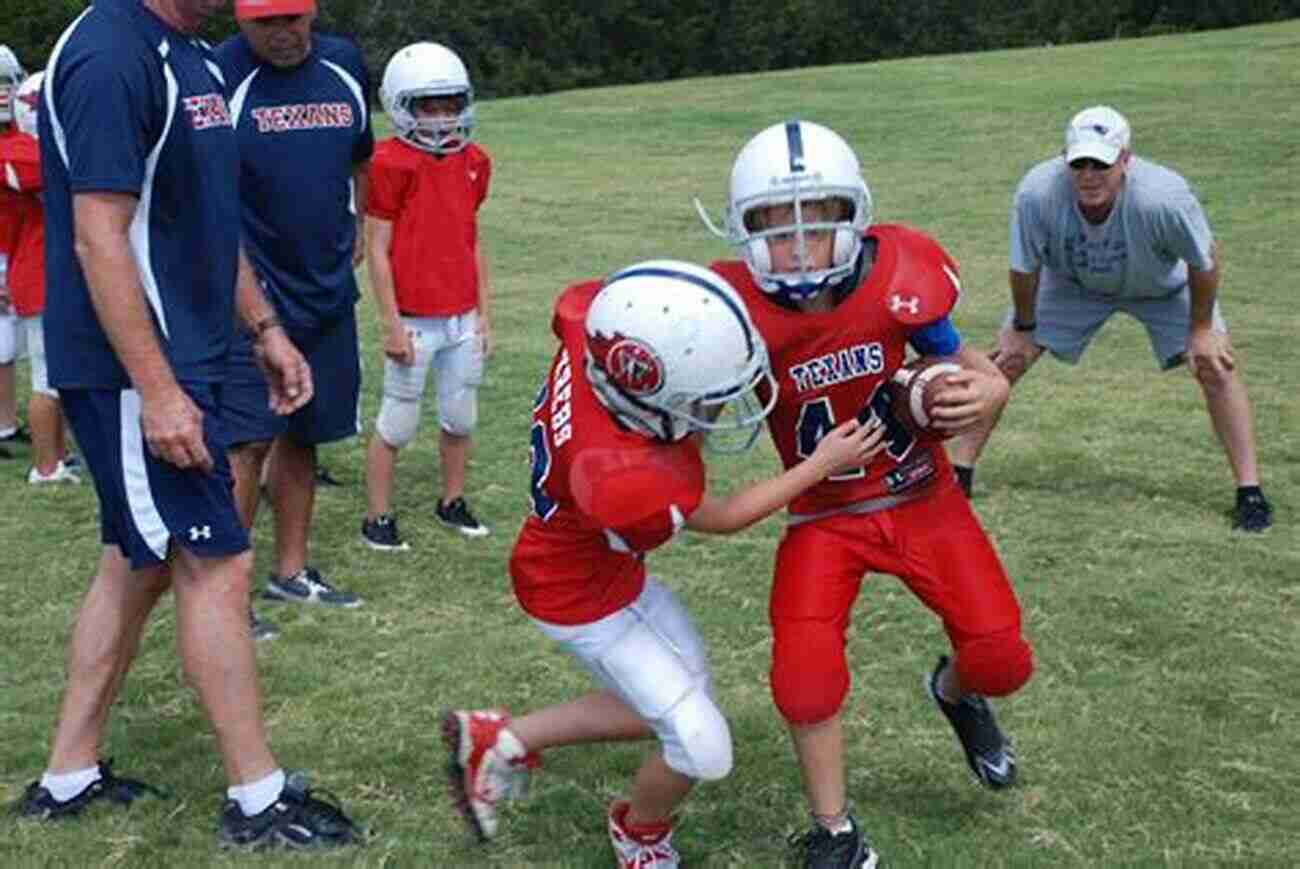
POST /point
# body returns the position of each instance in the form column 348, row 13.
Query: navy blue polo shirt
column 302, row 131
column 134, row 106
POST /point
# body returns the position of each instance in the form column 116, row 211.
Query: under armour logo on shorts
column 197, row 533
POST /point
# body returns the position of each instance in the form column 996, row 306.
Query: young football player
column 12, row 208
column 650, row 361
column 838, row 301
column 429, row 277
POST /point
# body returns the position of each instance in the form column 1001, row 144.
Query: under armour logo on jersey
column 473, row 176
column 207, row 110
column 200, row 533
column 912, row 304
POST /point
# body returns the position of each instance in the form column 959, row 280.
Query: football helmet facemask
column 27, row 101
column 792, row 164
column 671, row 351
column 427, row 69
column 11, row 75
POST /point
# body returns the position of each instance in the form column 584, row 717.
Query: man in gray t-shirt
column 1099, row 230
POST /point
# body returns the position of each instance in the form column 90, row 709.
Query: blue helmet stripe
column 794, row 138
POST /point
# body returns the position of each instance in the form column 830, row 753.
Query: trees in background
column 537, row 46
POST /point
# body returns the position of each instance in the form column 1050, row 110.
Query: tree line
column 517, row 47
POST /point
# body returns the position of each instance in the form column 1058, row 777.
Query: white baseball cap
column 1100, row 133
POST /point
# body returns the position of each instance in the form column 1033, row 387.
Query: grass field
column 1161, row 725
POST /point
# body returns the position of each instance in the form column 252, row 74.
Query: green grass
column 1160, row 727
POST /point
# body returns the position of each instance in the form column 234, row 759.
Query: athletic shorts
column 11, row 338
column 34, row 330
column 331, row 415
column 1068, row 319
column 935, row 545
column 144, row 502
column 448, row 345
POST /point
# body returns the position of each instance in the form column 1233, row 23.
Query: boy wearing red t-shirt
column 11, row 210
column 429, row 277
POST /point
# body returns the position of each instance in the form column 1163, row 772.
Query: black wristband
column 1024, row 327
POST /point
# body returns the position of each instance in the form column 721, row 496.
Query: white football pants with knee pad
column 650, row 655
column 450, row 346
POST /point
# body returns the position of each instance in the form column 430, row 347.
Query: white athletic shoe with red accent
column 487, row 764
column 652, row 849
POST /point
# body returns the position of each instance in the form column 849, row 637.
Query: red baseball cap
column 245, row 9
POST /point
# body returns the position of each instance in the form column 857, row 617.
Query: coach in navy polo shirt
column 145, row 277
column 298, row 101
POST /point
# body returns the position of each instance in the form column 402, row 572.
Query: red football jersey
column 10, row 201
column 831, row 366
column 602, row 496
column 20, row 173
column 433, row 204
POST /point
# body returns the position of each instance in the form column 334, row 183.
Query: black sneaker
column 260, row 628
column 822, row 849
column 307, row 586
column 297, row 819
column 325, row 478
column 381, row 533
column 4, row 452
column 1253, row 513
column 988, row 753
column 37, row 802
column 456, row 514
column 20, row 435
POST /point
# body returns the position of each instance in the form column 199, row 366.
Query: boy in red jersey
column 12, row 208
column 838, row 301
column 20, row 166
column 652, row 357
column 429, row 277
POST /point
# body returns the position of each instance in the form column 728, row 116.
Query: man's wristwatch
column 1021, row 326
column 263, row 325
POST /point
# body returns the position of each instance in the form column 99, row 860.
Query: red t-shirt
column 20, row 175
column 602, row 496
column 10, row 201
column 830, row 365
column 432, row 202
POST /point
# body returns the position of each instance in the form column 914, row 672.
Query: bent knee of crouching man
column 995, row 665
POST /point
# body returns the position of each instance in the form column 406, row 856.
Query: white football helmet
column 11, row 75
column 427, row 69
column 27, row 103
column 671, row 351
column 794, row 163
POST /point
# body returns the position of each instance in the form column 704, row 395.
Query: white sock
column 67, row 785
column 10, row 432
column 254, row 797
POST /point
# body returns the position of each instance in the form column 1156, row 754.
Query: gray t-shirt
column 1142, row 251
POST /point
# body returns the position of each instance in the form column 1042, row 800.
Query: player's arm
column 288, row 376
column 484, row 300
column 1206, row 348
column 360, row 193
column 172, row 423
column 849, row 445
column 1016, row 349
column 379, row 264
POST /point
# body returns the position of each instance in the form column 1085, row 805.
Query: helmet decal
column 631, row 365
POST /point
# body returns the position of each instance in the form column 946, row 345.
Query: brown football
column 915, row 387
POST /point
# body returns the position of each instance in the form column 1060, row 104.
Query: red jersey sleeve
column 933, row 286
column 388, row 188
column 643, row 496
column 482, row 175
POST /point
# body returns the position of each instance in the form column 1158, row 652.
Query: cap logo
column 629, row 364
column 1100, row 130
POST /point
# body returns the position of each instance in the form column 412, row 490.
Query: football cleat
column 822, row 849
column 646, row 850
column 988, row 753
column 487, row 764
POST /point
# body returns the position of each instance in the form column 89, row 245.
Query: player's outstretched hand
column 1209, row 351
column 288, row 376
column 849, row 445
column 173, row 428
column 970, row 398
column 398, row 345
column 1015, row 352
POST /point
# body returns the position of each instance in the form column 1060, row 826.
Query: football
column 914, row 389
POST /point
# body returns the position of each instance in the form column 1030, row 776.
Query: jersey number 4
column 817, row 417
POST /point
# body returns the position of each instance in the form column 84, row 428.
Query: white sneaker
column 61, row 474
column 653, row 851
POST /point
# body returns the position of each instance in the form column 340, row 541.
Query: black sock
column 965, row 477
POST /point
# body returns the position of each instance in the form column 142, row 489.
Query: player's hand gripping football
column 970, row 397
column 173, row 428
column 1016, row 351
column 848, row 446
column 288, row 376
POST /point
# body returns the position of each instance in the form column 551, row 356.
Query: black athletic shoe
column 988, row 753
column 297, row 819
column 1252, row 514
column 381, row 533
column 260, row 628
column 325, row 478
column 4, row 452
column 37, row 802
column 308, row 586
column 456, row 514
column 822, row 849
column 20, row 435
